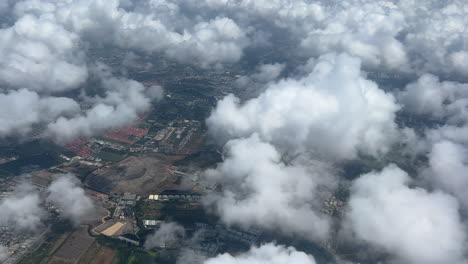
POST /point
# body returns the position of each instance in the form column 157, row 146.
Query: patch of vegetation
column 43, row 252
column 109, row 156
column 203, row 160
column 126, row 253
column 30, row 164
column 141, row 257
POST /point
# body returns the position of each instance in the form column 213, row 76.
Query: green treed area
column 127, row 254
column 31, row 156
column 109, row 156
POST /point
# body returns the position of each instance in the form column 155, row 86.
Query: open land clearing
column 144, row 174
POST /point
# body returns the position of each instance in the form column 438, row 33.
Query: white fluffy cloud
column 120, row 105
column 168, row 233
column 448, row 164
column 333, row 111
column 42, row 52
column 412, row 224
column 39, row 54
column 390, row 35
column 268, row 253
column 260, row 190
column 23, row 108
column 441, row 100
column 22, row 209
column 367, row 29
column 153, row 26
column 70, row 198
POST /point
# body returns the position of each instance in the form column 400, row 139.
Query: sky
column 305, row 116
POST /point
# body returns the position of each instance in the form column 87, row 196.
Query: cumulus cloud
column 124, row 99
column 441, row 100
column 70, row 198
column 412, row 224
column 367, row 29
column 264, row 74
column 314, row 113
column 39, row 54
column 167, row 234
column 448, row 164
column 23, row 108
column 153, row 26
column 22, row 209
column 256, row 82
column 259, row 189
column 435, row 36
column 395, row 36
column 268, row 253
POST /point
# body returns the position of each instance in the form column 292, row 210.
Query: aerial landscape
column 234, row 131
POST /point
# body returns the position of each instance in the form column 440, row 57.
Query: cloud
column 167, row 234
column 255, row 83
column 366, row 29
column 311, row 113
column 267, row 253
column 21, row 109
column 264, row 74
column 149, row 26
column 412, row 224
column 435, row 35
column 22, row 209
column 395, row 36
column 124, row 99
column 39, row 54
column 441, row 100
column 70, row 198
column 3, row 253
column 41, row 57
column 259, row 189
column 448, row 164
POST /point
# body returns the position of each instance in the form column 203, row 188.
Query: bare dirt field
column 76, row 245
column 105, row 255
column 144, row 174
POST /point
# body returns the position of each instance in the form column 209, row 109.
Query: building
column 128, row 199
column 178, row 195
column 151, row 224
